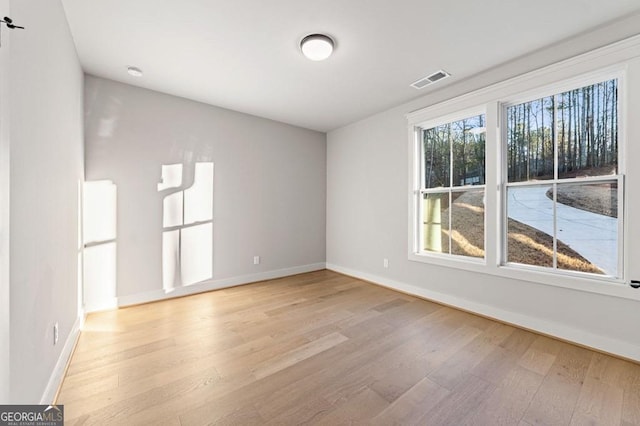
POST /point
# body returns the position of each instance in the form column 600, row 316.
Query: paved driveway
column 593, row 236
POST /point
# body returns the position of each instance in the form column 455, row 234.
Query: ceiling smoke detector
column 425, row 81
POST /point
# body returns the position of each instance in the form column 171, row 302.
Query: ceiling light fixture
column 317, row 47
column 134, row 71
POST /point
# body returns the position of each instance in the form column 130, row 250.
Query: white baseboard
column 559, row 330
column 55, row 380
column 155, row 295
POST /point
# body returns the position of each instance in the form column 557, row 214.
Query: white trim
column 414, row 184
column 57, row 375
column 623, row 239
column 562, row 331
column 611, row 72
column 451, row 117
column 160, row 294
column 624, row 246
column 445, row 189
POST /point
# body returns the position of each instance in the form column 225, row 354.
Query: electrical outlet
column 385, row 263
column 55, row 333
column 256, row 260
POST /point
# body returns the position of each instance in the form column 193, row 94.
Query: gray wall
column 269, row 183
column 46, row 133
column 5, row 306
column 367, row 220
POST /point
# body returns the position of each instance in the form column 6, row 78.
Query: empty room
column 332, row 212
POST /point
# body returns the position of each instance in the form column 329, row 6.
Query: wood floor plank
column 555, row 401
column 508, row 403
column 308, row 412
column 301, row 353
column 412, row 405
column 537, row 361
column 599, row 403
column 324, row 348
column 631, row 407
column 401, row 374
column 187, row 403
column 279, row 391
column 460, row 404
column 358, row 409
column 502, row 360
column 118, row 412
column 141, row 350
column 455, row 369
column 392, row 304
column 336, row 373
column 89, row 389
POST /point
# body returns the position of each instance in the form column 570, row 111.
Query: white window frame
column 613, row 61
column 420, row 190
column 548, row 91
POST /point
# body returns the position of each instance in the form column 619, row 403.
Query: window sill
column 606, row 286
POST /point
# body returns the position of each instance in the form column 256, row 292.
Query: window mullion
column 450, row 189
column 493, row 188
column 421, row 185
column 419, row 135
column 556, row 163
column 450, row 220
column 555, row 226
column 621, row 226
column 554, row 117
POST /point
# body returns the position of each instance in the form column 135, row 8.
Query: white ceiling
column 244, row 55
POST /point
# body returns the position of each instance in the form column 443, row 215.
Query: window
column 525, row 179
column 563, row 183
column 451, row 194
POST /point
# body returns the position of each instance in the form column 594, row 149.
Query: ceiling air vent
column 425, row 81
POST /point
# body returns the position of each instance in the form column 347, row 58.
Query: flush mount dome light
column 134, row 71
column 317, row 47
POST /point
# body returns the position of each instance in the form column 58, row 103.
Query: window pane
column 588, row 131
column 530, row 225
column 530, row 150
column 437, row 156
column 587, row 223
column 468, row 141
column 435, row 210
column 467, row 227
column 463, row 143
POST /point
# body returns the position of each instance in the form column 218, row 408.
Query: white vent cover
column 425, row 81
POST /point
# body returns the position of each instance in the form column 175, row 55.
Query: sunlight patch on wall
column 99, row 240
column 187, row 239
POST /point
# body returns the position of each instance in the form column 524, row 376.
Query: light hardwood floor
column 323, row 348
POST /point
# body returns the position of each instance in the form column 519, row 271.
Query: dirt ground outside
column 595, row 198
column 526, row 245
